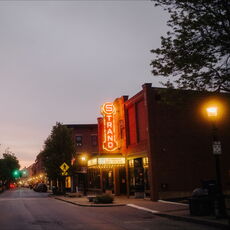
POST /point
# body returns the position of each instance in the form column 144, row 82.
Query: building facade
column 158, row 143
column 86, row 144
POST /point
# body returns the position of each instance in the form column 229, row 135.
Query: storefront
column 113, row 169
column 138, row 169
column 107, row 174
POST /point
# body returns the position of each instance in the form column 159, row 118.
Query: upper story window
column 94, row 140
column 78, row 140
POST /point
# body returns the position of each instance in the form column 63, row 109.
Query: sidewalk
column 177, row 211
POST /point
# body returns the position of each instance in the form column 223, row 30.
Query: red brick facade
column 169, row 128
column 86, row 144
column 88, row 138
column 163, row 145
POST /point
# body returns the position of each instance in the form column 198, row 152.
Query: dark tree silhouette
column 8, row 164
column 195, row 53
column 58, row 148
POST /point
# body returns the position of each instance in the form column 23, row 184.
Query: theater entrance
column 114, row 181
column 112, row 173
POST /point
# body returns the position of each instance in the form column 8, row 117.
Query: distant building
column 86, row 143
column 38, row 166
column 29, row 171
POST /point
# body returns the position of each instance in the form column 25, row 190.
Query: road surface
column 24, row 209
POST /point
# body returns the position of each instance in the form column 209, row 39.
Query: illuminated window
column 145, row 162
column 78, row 140
column 131, row 163
column 94, row 140
column 67, row 182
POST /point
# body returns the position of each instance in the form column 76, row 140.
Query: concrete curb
column 183, row 218
column 194, row 220
column 89, row 205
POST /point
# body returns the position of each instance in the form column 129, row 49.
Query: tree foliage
column 58, row 148
column 196, row 50
column 8, row 164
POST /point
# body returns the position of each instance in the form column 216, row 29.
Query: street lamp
column 84, row 173
column 220, row 209
column 83, row 158
column 212, row 111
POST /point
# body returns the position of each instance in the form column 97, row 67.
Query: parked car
column 40, row 187
column 1, row 186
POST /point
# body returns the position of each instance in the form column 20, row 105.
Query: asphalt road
column 24, row 209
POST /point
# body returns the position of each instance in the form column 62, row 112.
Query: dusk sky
column 61, row 60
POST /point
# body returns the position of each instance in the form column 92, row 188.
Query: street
column 25, row 209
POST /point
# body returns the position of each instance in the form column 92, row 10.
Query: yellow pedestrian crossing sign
column 64, row 167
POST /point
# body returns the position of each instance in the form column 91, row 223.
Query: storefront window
column 138, row 175
column 146, row 173
column 145, row 162
column 107, row 179
column 131, row 176
column 131, row 163
column 94, row 178
column 67, row 182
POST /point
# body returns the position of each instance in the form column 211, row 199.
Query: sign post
column 64, row 167
column 216, row 148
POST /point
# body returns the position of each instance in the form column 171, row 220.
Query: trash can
column 201, row 206
column 202, row 202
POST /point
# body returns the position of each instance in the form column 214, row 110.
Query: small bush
column 73, row 195
column 104, row 199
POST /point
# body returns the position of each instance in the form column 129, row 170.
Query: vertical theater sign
column 109, row 139
column 108, row 111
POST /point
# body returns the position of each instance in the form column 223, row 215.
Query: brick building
column 86, row 144
column 159, row 143
column 37, row 168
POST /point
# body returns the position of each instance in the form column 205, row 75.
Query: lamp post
column 84, row 172
column 220, row 210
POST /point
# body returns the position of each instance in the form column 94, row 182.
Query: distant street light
column 220, row 209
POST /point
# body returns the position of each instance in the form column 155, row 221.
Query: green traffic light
column 16, row 173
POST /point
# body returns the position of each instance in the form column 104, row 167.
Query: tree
column 58, row 148
column 8, row 164
column 196, row 51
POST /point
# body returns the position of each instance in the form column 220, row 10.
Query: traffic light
column 16, row 173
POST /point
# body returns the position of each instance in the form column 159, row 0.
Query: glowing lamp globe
column 212, row 111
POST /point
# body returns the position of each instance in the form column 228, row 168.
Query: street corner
column 84, row 202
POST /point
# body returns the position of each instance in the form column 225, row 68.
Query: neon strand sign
column 108, row 111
